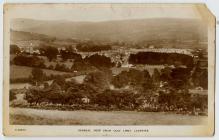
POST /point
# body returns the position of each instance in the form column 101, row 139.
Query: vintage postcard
column 109, row 70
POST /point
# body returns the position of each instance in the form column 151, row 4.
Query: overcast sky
column 104, row 12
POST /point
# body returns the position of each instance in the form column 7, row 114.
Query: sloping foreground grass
column 24, row 116
column 35, row 120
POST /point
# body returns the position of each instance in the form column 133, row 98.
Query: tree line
column 157, row 58
column 91, row 47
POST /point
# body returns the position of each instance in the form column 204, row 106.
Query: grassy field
column 25, row 72
column 24, row 116
column 78, row 79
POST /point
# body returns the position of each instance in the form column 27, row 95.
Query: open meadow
column 24, row 72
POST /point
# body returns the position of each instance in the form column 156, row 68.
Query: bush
column 117, row 99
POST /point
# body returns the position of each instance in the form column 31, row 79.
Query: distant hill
column 121, row 30
column 24, row 36
column 24, row 39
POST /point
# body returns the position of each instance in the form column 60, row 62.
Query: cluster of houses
column 30, row 50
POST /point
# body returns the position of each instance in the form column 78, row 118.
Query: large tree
column 134, row 78
column 156, row 76
column 98, row 80
column 37, row 75
column 69, row 54
column 51, row 52
column 99, row 61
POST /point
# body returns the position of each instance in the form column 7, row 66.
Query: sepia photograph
column 108, row 65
